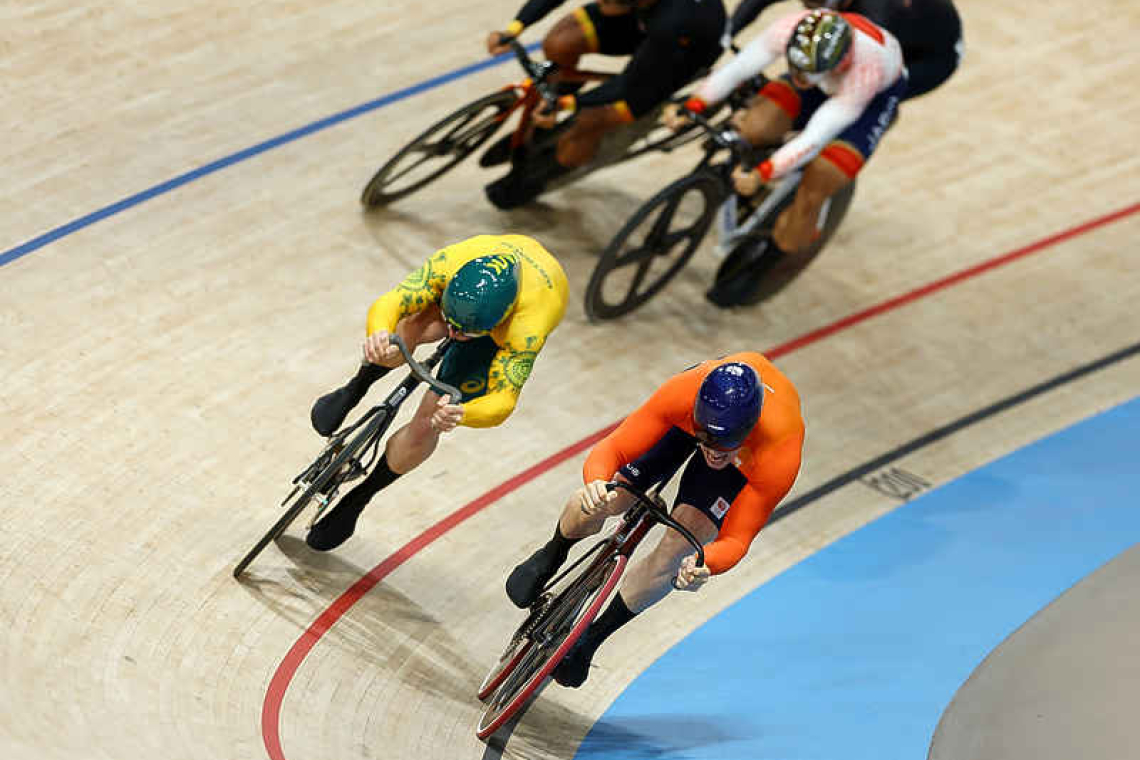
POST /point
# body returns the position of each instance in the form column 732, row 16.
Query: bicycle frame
column 386, row 409
column 730, row 229
column 543, row 639
column 338, row 462
column 534, row 87
column 730, row 232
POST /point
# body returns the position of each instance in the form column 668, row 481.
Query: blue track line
column 130, row 202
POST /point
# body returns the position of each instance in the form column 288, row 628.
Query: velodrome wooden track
column 158, row 363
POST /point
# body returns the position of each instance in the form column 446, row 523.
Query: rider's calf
column 798, row 226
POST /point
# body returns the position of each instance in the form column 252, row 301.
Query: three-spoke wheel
column 439, row 148
column 653, row 246
column 755, row 270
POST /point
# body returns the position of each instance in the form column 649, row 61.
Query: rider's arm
column 757, row 54
column 754, row 504
column 860, row 85
column 646, row 80
column 746, row 13
column 533, row 11
column 510, row 368
column 418, row 291
column 638, row 432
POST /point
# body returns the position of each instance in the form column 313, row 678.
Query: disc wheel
column 780, row 269
column 568, row 616
column 439, row 148
column 653, row 246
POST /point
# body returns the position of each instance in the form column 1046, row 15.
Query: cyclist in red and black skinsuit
column 670, row 42
column 929, row 32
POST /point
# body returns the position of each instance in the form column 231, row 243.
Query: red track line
column 275, row 694
column 271, row 709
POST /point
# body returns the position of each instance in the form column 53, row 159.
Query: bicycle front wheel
column 567, row 618
column 438, row 149
column 653, row 246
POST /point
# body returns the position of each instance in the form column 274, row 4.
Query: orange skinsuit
column 769, row 458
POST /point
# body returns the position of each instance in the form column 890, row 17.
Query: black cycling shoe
column 337, row 526
column 574, row 669
column 498, row 153
column 514, row 190
column 740, row 276
column 329, row 410
column 526, row 581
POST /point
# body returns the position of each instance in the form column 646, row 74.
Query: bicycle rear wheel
column 374, row 427
column 439, row 148
column 778, row 270
column 653, row 246
column 566, row 619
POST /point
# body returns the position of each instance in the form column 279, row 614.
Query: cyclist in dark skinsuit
column 929, row 32
column 669, row 42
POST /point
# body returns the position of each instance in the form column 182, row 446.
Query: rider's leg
column 406, row 449
column 651, row 579
column 648, row 582
column 798, row 227
column 594, row 28
column 654, row 466
column 526, row 581
column 579, row 144
column 575, row 34
column 329, row 410
column 569, row 39
column 411, row 445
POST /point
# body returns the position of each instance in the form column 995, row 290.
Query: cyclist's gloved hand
column 495, row 44
column 378, row 350
column 676, row 116
column 690, row 577
column 446, row 415
column 593, row 496
column 499, row 42
column 546, row 114
column 747, row 180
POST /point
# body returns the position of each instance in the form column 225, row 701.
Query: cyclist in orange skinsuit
column 741, row 418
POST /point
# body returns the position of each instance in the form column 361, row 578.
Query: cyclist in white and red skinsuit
column 841, row 108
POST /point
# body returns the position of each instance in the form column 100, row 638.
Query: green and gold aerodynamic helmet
column 481, row 294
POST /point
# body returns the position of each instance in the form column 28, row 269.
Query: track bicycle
column 350, row 452
column 441, row 147
column 661, row 237
column 566, row 607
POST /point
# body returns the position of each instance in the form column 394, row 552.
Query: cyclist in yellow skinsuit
column 498, row 297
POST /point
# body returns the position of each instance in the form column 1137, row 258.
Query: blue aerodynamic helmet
column 728, row 406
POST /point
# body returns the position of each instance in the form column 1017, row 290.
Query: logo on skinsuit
column 472, row 386
column 518, row 367
column 720, row 508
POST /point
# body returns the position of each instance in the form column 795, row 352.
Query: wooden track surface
column 158, row 364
